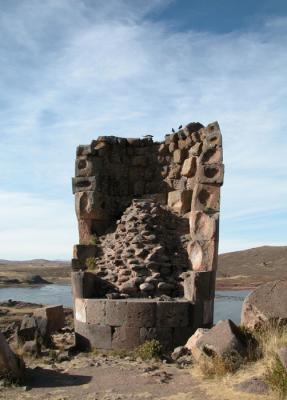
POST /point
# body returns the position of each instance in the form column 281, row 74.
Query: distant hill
column 249, row 268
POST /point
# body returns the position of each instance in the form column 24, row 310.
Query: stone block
column 213, row 135
column 126, row 337
column 84, row 184
column 196, row 315
column 54, row 315
column 181, row 335
column 211, row 155
column 85, row 230
column 78, row 265
column 180, row 184
column 87, row 285
column 210, row 173
column 116, row 312
column 82, row 251
column 93, row 205
column 139, row 161
column 193, row 127
column 182, row 144
column 195, row 150
column 203, row 255
column 84, row 150
column 199, row 286
column 163, row 149
column 203, row 226
column 180, row 201
column 208, row 310
column 206, row 198
column 189, row 167
column 178, row 156
column 98, row 336
column 163, row 334
column 172, row 147
column 141, row 314
column 96, row 311
column 86, row 166
column 81, row 310
column 172, row 314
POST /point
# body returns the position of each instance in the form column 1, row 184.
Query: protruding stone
column 180, row 201
column 206, row 198
column 189, row 167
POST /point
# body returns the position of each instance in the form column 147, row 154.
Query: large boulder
column 54, row 315
column 266, row 304
column 12, row 366
column 223, row 340
column 34, row 328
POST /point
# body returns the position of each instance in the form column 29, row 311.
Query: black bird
column 180, row 126
column 148, row 136
column 173, row 130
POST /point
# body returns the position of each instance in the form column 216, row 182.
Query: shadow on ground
column 46, row 378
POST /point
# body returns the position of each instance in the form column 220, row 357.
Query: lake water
column 227, row 303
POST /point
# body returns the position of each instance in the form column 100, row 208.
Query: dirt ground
column 101, row 377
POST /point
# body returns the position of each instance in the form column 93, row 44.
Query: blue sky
column 72, row 70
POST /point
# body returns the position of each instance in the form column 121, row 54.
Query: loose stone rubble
column 148, row 218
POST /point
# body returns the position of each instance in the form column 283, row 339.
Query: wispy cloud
column 74, row 70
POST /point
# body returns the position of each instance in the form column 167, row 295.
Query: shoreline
column 66, row 282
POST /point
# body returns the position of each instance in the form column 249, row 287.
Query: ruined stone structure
column 148, row 217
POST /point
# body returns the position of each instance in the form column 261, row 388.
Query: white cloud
column 75, row 71
column 35, row 227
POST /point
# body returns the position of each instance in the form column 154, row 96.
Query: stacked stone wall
column 148, row 217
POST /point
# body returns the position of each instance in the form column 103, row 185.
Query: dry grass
column 219, row 366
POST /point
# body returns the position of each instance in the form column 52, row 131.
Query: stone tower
column 148, row 218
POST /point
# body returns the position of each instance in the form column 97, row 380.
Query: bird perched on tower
column 180, row 126
column 173, row 131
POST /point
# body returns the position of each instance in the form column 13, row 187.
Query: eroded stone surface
column 148, row 219
column 266, row 304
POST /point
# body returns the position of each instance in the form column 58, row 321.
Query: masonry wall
column 181, row 176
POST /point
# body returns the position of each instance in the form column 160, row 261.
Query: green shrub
column 94, row 240
column 91, row 263
column 150, row 349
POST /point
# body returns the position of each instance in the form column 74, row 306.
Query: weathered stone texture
column 265, row 305
column 148, row 219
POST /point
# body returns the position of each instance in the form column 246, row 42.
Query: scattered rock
column 265, row 304
column 192, row 342
column 179, row 352
column 54, row 315
column 253, row 385
column 33, row 329
column 222, row 340
column 185, row 361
